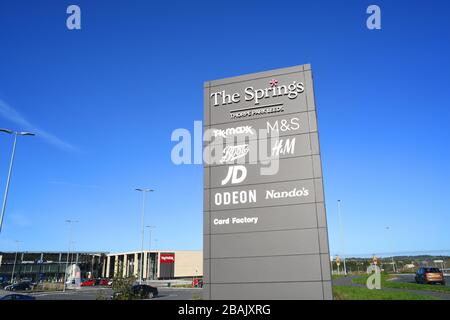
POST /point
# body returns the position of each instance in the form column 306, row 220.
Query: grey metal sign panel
column 311, row 290
column 263, row 195
column 263, row 151
column 264, row 229
column 281, row 125
column 267, row 269
column 249, row 106
column 298, row 168
column 269, row 243
column 269, row 219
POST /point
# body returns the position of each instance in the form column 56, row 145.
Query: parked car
column 103, row 282
column 88, row 283
column 142, row 291
column 21, row 286
column 16, row 296
column 427, row 275
column 197, row 283
column 4, row 284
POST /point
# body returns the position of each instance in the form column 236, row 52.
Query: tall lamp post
column 392, row 248
column 144, row 191
column 15, row 259
column 70, row 222
column 149, row 248
column 342, row 235
column 72, row 251
column 15, row 133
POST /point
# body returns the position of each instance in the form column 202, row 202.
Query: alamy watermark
column 374, row 20
column 231, row 145
column 374, row 279
column 73, row 21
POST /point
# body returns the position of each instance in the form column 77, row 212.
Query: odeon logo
column 235, row 197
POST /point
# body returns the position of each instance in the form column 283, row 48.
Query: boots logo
column 231, row 153
column 236, row 174
column 233, row 131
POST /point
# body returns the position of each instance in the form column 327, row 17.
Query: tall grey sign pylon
column 265, row 235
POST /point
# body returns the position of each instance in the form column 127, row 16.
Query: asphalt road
column 409, row 278
column 95, row 293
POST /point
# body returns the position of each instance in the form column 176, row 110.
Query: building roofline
column 56, row 252
column 151, row 251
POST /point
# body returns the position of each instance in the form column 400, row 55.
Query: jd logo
column 374, row 280
column 236, row 174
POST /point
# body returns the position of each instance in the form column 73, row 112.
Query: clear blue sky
column 105, row 100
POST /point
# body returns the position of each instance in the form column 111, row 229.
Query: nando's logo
column 291, row 90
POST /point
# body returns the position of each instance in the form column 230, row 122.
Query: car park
column 428, row 275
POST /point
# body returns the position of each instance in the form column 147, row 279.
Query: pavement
column 94, row 293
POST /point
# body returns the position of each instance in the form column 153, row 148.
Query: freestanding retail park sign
column 265, row 230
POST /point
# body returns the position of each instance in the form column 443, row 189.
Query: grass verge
column 362, row 293
column 182, row 286
column 387, row 283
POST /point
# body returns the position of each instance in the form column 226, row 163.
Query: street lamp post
column 392, row 248
column 15, row 259
column 341, row 231
column 70, row 222
column 144, row 191
column 72, row 251
column 149, row 248
column 10, row 168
